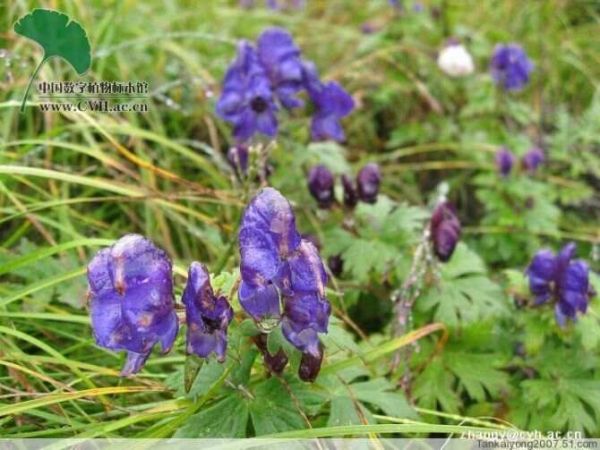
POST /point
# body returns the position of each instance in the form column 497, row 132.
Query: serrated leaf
column 477, row 373
column 433, row 388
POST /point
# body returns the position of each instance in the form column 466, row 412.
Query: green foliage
column 464, row 293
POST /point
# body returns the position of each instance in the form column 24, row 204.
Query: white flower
column 456, row 61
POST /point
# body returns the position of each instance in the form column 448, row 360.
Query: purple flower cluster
column 562, row 279
column 283, row 277
column 270, row 75
column 366, row 187
column 445, row 231
column 531, row 161
column 510, row 67
column 132, row 304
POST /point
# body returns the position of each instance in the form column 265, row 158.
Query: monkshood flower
column 562, row 279
column 350, row 191
column 332, row 103
column 396, row 4
column 368, row 180
column 207, row 316
column 533, row 159
column 278, row 266
column 320, row 185
column 281, row 59
column 505, row 160
column 455, row 60
column 247, row 98
column 510, row 67
column 445, row 231
column 131, row 299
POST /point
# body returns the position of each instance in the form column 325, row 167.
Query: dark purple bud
column 274, row 363
column 310, row 365
column 533, row 159
column 504, row 161
column 445, row 231
column 336, row 265
column 561, row 278
column 368, row 180
column 510, row 67
column 320, row 185
column 350, row 192
column 238, row 158
column 369, row 28
column 207, row 316
column 131, row 295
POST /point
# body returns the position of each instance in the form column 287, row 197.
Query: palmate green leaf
column 433, row 388
column 464, row 294
column 58, row 35
column 477, row 373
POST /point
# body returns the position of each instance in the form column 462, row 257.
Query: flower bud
column 368, row 180
column 350, row 194
column 274, row 363
column 336, row 265
column 310, row 365
column 504, row 161
column 533, row 159
column 320, row 185
column 445, row 231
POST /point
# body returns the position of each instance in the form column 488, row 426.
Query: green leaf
column 273, row 409
column 464, row 293
column 433, row 388
column 477, row 373
column 227, row 418
column 58, row 35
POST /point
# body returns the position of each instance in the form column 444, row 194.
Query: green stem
column 37, row 69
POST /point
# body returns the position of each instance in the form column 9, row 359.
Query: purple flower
column 281, row 59
column 445, row 231
column 247, row 98
column 368, row 180
column 505, row 160
column 510, row 67
column 131, row 295
column 396, row 4
column 320, row 185
column 207, row 316
column 331, row 102
column 562, row 279
column 350, row 192
column 277, row 266
column 238, row 158
column 533, row 159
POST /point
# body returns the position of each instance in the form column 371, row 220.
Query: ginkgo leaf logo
column 58, row 35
